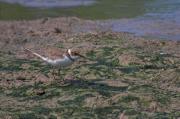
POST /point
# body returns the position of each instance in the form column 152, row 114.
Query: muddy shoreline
column 135, row 75
column 52, row 30
column 52, row 35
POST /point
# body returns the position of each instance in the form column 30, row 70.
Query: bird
column 66, row 59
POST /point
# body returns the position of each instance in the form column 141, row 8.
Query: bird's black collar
column 69, row 56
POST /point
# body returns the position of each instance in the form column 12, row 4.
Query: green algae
column 85, row 97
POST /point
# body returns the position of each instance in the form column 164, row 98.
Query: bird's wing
column 36, row 54
column 45, row 59
column 54, row 62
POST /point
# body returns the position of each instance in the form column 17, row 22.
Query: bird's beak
column 82, row 56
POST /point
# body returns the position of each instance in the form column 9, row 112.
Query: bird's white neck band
column 69, row 52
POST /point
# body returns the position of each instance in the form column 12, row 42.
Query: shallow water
column 151, row 18
column 162, row 20
column 89, row 9
column 51, row 3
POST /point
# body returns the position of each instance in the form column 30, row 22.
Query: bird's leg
column 59, row 73
column 60, row 76
column 54, row 73
column 51, row 73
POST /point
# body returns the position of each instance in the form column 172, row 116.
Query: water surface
column 88, row 9
column 161, row 20
column 50, row 3
column 151, row 18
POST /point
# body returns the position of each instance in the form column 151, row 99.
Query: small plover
column 66, row 59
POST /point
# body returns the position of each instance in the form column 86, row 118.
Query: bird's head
column 75, row 54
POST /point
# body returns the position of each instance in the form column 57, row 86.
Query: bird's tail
column 36, row 54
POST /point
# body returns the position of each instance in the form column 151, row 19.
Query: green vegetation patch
column 150, row 91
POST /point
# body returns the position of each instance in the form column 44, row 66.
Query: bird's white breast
column 62, row 62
